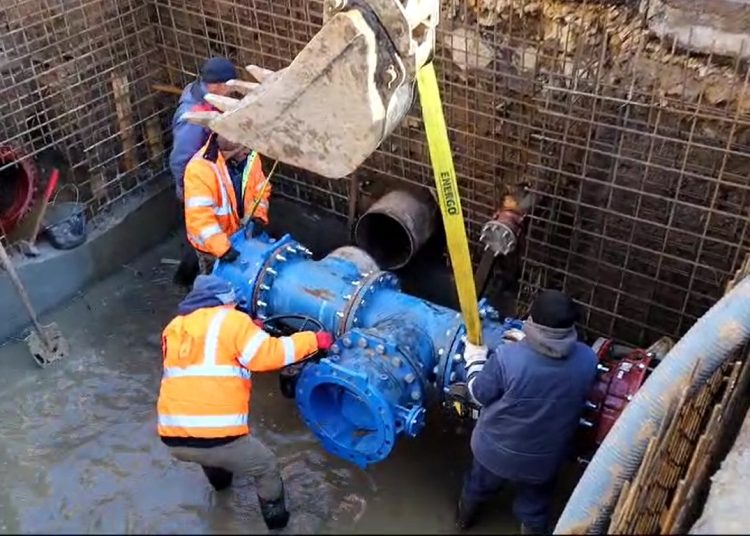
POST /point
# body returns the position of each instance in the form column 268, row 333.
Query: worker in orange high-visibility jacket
column 225, row 188
column 210, row 352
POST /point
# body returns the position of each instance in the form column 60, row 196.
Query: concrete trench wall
column 59, row 275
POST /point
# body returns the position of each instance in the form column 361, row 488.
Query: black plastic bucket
column 65, row 224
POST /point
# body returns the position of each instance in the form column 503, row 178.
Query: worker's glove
column 254, row 228
column 325, row 340
column 231, row 255
column 258, row 322
column 459, row 391
column 474, row 358
column 459, row 398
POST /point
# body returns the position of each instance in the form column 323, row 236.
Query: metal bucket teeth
column 328, row 110
column 243, row 87
column 223, row 104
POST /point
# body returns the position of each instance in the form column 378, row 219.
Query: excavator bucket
column 341, row 96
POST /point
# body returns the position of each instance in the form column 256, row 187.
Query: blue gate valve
column 393, row 351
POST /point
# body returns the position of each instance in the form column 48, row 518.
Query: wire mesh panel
column 636, row 148
column 268, row 33
column 75, row 80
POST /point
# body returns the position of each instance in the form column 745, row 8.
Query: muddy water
column 78, row 450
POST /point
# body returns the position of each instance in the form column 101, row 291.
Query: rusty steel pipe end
column 396, row 226
column 502, row 233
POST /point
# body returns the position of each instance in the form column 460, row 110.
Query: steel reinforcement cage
column 636, row 146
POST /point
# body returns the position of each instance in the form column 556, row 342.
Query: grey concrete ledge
column 135, row 225
column 717, row 27
column 725, row 511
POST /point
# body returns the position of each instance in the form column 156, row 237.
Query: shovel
column 45, row 343
column 29, row 246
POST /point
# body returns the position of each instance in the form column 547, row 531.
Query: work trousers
column 245, row 455
column 531, row 502
column 189, row 265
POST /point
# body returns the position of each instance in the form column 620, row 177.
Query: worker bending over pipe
column 532, row 393
column 210, row 350
column 225, row 187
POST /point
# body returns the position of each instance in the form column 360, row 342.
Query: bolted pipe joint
column 359, row 401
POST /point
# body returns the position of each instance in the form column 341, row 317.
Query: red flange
column 622, row 371
column 18, row 180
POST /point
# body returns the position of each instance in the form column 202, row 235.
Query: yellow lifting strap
column 449, row 200
column 246, row 176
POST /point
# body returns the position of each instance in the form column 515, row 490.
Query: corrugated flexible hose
column 712, row 340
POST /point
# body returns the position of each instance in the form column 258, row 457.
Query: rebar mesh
column 75, row 94
column 636, row 149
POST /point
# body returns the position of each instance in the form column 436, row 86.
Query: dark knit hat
column 554, row 309
column 218, row 70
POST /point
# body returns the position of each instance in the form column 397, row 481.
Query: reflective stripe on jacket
column 209, row 355
column 211, row 214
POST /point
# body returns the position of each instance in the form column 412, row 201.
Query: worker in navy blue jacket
column 531, row 394
column 188, row 139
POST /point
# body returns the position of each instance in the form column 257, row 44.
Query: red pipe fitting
column 18, row 179
column 502, row 233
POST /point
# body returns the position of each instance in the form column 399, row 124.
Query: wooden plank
column 635, row 494
column 353, row 204
column 669, row 515
column 121, row 90
column 155, row 143
column 167, row 88
column 616, row 516
column 699, row 469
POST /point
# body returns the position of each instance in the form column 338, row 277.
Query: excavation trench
column 80, row 449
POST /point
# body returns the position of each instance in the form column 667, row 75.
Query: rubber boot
column 188, row 268
column 466, row 513
column 274, row 512
column 219, row 478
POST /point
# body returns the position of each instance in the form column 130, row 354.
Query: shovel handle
column 51, row 185
column 53, row 178
column 8, row 266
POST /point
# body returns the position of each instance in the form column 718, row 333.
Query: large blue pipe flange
column 371, row 283
column 350, row 415
column 372, row 387
column 244, row 273
column 286, row 251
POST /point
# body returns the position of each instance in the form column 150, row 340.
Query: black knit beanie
column 554, row 309
column 218, row 70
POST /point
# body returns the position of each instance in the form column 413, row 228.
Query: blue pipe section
column 713, row 339
column 394, row 353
